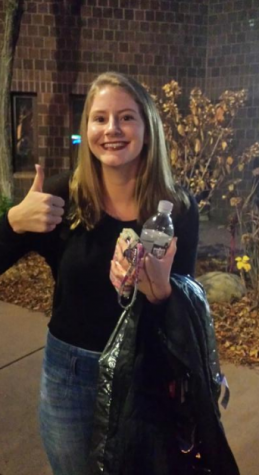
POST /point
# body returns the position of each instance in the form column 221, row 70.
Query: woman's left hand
column 154, row 273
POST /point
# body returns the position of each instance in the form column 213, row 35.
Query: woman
column 123, row 171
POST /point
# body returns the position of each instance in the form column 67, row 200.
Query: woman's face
column 115, row 129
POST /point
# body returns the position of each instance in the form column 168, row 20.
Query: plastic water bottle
column 158, row 231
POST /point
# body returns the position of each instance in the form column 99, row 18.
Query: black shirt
column 85, row 305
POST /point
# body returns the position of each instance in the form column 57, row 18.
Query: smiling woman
column 116, row 132
column 136, row 393
column 119, row 108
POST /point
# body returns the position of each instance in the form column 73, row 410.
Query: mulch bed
column 30, row 284
column 236, row 323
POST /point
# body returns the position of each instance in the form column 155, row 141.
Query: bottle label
column 159, row 251
column 155, row 242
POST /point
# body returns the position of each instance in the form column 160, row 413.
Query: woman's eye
column 128, row 117
column 98, row 118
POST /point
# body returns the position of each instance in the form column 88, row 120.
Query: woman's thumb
column 38, row 179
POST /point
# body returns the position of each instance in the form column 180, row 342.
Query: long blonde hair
column 154, row 181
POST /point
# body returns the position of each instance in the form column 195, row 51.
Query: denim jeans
column 67, row 399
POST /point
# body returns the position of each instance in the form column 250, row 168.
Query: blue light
column 76, row 139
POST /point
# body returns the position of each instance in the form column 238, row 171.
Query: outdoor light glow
column 76, row 139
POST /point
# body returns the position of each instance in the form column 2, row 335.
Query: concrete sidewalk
column 22, row 337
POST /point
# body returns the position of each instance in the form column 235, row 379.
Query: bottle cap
column 165, row 206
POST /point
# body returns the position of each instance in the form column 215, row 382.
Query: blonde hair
column 154, row 181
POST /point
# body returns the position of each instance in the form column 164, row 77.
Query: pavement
column 22, row 339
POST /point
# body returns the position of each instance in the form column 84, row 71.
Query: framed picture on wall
column 24, row 131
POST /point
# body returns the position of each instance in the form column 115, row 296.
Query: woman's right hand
column 38, row 212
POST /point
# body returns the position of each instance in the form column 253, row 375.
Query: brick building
column 64, row 44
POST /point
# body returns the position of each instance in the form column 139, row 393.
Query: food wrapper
column 132, row 239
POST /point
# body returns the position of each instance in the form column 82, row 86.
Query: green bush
column 5, row 204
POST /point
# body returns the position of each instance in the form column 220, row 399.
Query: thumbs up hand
column 38, row 179
column 38, row 212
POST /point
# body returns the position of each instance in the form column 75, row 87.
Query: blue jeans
column 67, row 399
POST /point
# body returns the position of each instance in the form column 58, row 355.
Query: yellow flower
column 246, row 258
column 242, row 263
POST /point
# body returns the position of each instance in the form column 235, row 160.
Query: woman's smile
column 114, row 145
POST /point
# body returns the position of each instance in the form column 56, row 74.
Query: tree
column 13, row 11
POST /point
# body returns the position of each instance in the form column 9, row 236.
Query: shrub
column 5, row 204
column 201, row 141
column 202, row 155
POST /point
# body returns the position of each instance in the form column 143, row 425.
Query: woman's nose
column 113, row 126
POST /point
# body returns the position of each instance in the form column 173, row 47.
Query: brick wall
column 63, row 45
column 233, row 63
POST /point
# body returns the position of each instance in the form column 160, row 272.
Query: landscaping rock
column 222, row 286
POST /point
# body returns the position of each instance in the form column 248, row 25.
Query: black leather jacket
column 157, row 407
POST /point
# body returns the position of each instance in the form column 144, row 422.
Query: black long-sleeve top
column 85, row 306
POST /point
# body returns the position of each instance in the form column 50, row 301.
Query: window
column 76, row 109
column 24, row 131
